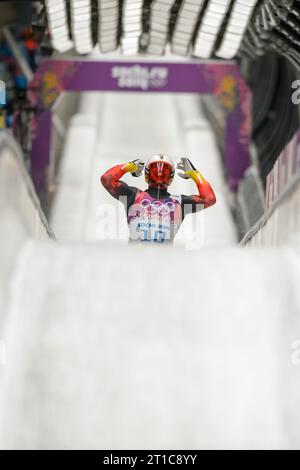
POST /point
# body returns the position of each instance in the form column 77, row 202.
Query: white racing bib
column 153, row 220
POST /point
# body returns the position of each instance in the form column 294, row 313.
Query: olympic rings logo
column 158, row 206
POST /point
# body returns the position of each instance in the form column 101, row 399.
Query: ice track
column 110, row 346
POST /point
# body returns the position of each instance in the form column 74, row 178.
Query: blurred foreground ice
column 147, row 348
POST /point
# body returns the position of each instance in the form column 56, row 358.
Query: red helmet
column 159, row 171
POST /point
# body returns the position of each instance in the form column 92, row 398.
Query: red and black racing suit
column 155, row 215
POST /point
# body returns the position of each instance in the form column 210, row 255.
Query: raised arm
column 111, row 180
column 205, row 197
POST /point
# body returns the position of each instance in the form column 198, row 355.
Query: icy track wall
column 20, row 214
column 281, row 221
column 17, row 193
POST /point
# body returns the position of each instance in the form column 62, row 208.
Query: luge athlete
column 155, row 215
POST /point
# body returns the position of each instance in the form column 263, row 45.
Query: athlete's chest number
column 159, row 236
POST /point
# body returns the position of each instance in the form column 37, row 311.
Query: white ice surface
column 126, row 348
